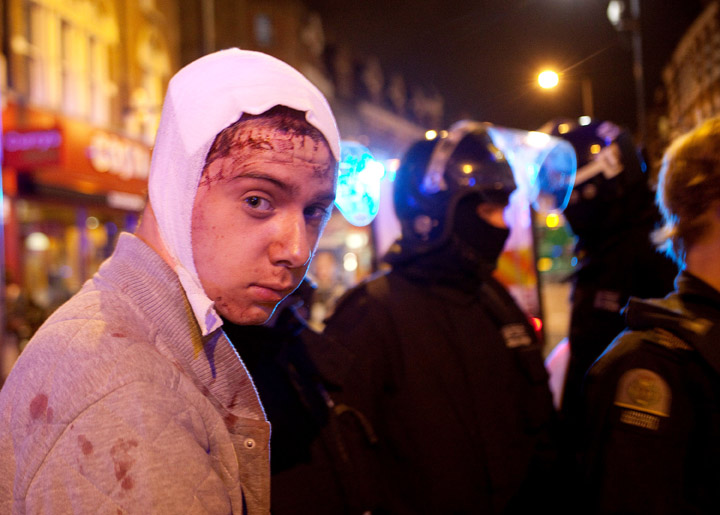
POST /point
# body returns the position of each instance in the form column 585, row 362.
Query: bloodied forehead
column 283, row 137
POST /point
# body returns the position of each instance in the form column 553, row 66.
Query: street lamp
column 549, row 79
column 627, row 18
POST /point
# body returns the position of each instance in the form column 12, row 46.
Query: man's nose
column 291, row 247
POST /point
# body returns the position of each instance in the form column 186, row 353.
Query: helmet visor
column 544, row 166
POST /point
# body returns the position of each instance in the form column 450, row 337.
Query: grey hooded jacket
column 119, row 405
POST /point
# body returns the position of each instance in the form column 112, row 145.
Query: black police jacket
column 453, row 383
column 651, row 439
column 320, row 448
column 627, row 265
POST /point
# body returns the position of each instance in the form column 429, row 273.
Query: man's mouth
column 270, row 292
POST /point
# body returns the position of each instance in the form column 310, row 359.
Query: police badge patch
column 515, row 335
column 645, row 396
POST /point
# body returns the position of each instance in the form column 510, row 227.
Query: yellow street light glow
column 548, row 79
column 431, row 134
column 544, row 264
column 350, row 262
column 356, row 240
column 92, row 223
column 37, row 242
column 552, row 220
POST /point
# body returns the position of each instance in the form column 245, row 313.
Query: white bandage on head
column 202, row 99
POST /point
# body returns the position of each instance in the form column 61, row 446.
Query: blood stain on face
column 262, row 202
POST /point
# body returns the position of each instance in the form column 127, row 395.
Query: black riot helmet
column 610, row 184
column 434, row 175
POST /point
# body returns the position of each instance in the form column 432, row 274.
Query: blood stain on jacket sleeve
column 230, row 420
column 39, row 408
column 85, row 444
column 123, row 461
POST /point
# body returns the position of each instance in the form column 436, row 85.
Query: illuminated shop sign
column 126, row 201
column 30, row 148
column 121, row 157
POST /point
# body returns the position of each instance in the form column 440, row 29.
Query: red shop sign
column 28, row 148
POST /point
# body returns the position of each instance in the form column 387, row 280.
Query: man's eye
column 321, row 213
column 258, row 203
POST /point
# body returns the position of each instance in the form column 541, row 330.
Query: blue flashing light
column 358, row 187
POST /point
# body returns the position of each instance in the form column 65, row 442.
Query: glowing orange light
column 548, row 79
column 536, row 323
column 544, row 264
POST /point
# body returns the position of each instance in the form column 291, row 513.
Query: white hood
column 204, row 98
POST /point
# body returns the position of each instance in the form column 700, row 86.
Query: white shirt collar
column 202, row 306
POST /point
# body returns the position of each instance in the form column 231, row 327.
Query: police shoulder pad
column 643, row 390
column 644, row 397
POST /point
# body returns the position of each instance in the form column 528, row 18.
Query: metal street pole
column 587, row 97
column 631, row 22
column 638, row 69
column 549, row 79
column 3, row 303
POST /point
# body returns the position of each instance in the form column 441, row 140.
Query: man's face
column 257, row 217
column 493, row 213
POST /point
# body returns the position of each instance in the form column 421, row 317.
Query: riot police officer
column 651, row 402
column 612, row 214
column 446, row 365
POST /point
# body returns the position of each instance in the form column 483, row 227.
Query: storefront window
column 61, row 247
column 67, row 52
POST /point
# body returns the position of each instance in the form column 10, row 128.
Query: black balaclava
column 469, row 255
column 484, row 239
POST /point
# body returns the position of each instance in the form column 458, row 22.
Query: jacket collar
column 691, row 313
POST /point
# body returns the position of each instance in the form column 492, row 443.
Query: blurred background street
column 82, row 83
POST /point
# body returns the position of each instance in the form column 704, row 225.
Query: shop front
column 69, row 189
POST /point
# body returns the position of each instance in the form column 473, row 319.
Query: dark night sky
column 483, row 56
